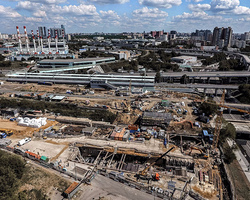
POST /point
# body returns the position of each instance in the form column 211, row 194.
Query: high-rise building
column 222, row 37
column 245, row 36
column 156, row 34
column 42, row 31
column 59, row 32
column 172, row 35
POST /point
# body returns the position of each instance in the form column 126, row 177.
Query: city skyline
column 125, row 15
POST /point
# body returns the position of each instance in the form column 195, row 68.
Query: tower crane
column 218, row 121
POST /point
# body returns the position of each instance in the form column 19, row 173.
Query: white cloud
column 242, row 10
column 75, row 10
column 200, row 16
column 199, row 7
column 39, row 13
column 109, row 14
column 28, row 5
column 109, row 1
column 48, row 1
column 8, row 12
column 220, row 5
column 149, row 13
column 160, row 3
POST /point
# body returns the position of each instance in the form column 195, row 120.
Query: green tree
column 184, row 79
column 209, row 108
column 229, row 155
column 228, row 131
column 158, row 77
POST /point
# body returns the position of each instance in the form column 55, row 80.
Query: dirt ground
column 22, row 131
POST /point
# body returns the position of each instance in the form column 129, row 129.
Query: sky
column 115, row 16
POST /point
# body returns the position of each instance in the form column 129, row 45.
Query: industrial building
column 83, row 79
column 39, row 44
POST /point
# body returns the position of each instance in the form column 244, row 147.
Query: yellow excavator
column 144, row 173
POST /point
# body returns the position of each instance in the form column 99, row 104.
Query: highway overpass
column 219, row 77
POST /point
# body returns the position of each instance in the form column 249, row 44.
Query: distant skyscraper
column 222, row 37
column 59, row 31
column 42, row 31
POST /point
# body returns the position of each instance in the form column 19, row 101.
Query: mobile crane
column 143, row 174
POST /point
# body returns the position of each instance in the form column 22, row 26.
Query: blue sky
column 88, row 16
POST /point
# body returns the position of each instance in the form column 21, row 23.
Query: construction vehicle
column 144, row 173
column 7, row 132
column 202, row 153
column 126, row 107
column 3, row 135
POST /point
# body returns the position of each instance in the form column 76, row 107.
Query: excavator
column 144, row 173
column 203, row 154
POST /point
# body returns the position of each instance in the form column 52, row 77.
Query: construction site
column 157, row 143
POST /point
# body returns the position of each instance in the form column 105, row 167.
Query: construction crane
column 144, row 172
column 218, row 122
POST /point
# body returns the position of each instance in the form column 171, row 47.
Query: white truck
column 24, row 141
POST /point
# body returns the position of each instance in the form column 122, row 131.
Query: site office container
column 117, row 134
column 121, row 135
column 112, row 136
column 70, row 189
column 32, row 155
column 133, row 127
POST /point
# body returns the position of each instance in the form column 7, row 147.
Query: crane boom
column 144, row 172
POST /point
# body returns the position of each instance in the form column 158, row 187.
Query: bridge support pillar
column 228, row 93
column 205, row 90
column 229, row 110
column 208, row 80
column 229, row 80
column 216, row 92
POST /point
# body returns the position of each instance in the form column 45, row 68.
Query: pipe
column 37, row 32
column 19, row 39
column 56, row 39
column 26, row 39
column 34, row 41
column 49, row 40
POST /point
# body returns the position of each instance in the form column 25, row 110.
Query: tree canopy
column 228, row 131
column 209, row 108
column 245, row 90
column 11, row 171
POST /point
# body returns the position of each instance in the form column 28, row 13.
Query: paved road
column 241, row 159
column 103, row 186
